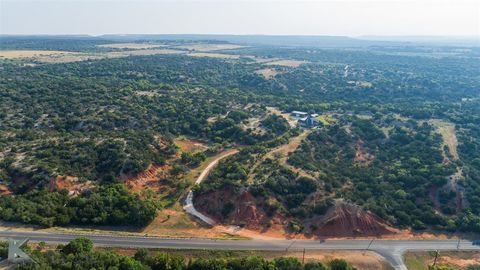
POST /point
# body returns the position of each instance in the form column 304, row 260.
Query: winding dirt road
column 189, row 207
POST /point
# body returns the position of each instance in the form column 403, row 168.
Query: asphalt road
column 391, row 250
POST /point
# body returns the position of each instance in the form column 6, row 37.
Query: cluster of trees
column 277, row 124
column 79, row 255
column 193, row 159
column 105, row 205
column 3, row 249
column 396, row 184
column 291, row 190
column 100, row 119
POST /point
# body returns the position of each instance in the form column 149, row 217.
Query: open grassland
column 447, row 130
column 286, row 63
column 13, row 54
column 141, row 53
column 189, row 145
column 214, row 55
column 209, row 47
column 53, row 57
column 421, row 260
column 268, row 73
column 292, row 121
column 136, row 46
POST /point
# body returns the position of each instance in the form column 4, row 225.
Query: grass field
column 13, row 54
column 209, row 47
column 131, row 45
column 53, row 57
column 421, row 260
column 214, row 55
column 447, row 130
column 286, row 63
column 267, row 73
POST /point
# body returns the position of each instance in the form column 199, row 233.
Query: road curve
column 391, row 250
column 188, row 206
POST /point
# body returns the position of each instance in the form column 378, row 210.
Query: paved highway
column 391, row 250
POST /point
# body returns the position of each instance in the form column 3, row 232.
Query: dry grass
column 209, row 47
column 13, row 54
column 420, row 260
column 447, row 130
column 268, row 73
column 67, row 57
column 215, row 55
column 131, row 46
column 292, row 121
column 286, row 63
column 280, row 154
column 141, row 53
column 188, row 145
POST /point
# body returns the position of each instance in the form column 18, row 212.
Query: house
column 305, row 119
column 299, row 114
column 309, row 121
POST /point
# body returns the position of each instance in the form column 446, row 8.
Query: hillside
column 110, row 131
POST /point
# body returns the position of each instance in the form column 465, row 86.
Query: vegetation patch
column 214, row 55
column 450, row 260
column 137, row 46
column 447, row 130
column 286, row 63
column 80, row 253
column 206, row 47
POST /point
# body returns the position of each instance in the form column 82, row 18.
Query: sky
column 268, row 17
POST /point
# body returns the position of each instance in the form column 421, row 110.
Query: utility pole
column 436, row 257
column 303, row 257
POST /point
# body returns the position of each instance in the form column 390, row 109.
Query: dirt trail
column 447, row 130
column 281, row 153
column 189, row 207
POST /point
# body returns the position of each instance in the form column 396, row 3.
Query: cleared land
column 187, row 145
column 214, row 55
column 131, row 45
column 421, row 260
column 209, row 47
column 281, row 155
column 286, row 63
column 13, row 54
column 67, row 57
column 268, row 73
column 447, row 130
column 292, row 121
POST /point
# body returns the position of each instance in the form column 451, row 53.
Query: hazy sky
column 292, row 17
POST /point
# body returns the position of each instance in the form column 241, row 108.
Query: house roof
column 298, row 112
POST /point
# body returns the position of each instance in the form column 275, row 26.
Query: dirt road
column 189, row 207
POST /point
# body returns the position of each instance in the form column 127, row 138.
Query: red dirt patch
column 4, row 190
column 148, row 179
column 193, row 146
column 70, row 183
column 212, row 202
column 245, row 212
column 463, row 263
column 345, row 220
column 362, row 157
